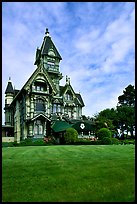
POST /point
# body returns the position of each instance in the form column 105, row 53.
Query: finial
column 47, row 32
column 9, row 79
column 67, row 80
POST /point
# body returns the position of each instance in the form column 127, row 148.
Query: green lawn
column 68, row 173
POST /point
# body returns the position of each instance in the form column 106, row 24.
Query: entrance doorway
column 38, row 129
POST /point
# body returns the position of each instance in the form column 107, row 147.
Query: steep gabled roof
column 40, row 69
column 16, row 92
column 64, row 88
column 47, row 45
column 9, row 88
column 80, row 99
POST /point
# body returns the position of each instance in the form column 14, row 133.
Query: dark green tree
column 106, row 119
column 126, row 118
column 126, row 110
column 128, row 97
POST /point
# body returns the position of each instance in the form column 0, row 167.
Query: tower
column 8, row 100
column 49, row 57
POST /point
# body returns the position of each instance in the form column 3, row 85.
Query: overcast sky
column 95, row 39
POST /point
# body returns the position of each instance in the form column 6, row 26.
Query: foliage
column 128, row 97
column 129, row 141
column 87, row 142
column 115, row 141
column 103, row 132
column 106, row 119
column 71, row 135
column 122, row 117
column 106, row 141
column 31, row 142
column 126, row 109
column 9, row 144
column 126, row 118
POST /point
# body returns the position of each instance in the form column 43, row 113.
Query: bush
column 106, row 141
column 131, row 141
column 103, row 133
column 115, row 141
column 9, row 144
column 26, row 142
column 71, row 135
column 86, row 142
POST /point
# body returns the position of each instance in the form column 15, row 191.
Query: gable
column 76, row 97
column 67, row 88
column 40, row 75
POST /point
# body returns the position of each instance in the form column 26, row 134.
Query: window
column 54, row 108
column 59, row 109
column 50, row 65
column 69, row 97
column 40, row 86
column 40, row 105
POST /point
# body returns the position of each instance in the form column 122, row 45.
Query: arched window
column 40, row 105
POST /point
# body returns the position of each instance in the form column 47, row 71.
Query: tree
column 106, row 119
column 71, row 135
column 122, row 117
column 126, row 110
column 126, row 118
column 128, row 97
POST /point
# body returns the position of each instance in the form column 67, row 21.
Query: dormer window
column 68, row 96
column 40, row 87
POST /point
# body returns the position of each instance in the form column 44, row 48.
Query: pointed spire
column 47, row 32
column 9, row 88
column 47, row 45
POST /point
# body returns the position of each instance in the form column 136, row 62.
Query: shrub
column 106, row 141
column 86, row 142
column 103, row 132
column 126, row 142
column 39, row 142
column 115, row 141
column 26, row 142
column 50, row 140
column 131, row 141
column 9, row 144
column 71, row 135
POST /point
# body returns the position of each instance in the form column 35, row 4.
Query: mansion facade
column 31, row 111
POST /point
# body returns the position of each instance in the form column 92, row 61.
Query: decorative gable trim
column 40, row 114
column 33, row 77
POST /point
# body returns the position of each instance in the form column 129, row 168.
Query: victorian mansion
column 32, row 110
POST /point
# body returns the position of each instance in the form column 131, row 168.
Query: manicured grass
column 68, row 173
